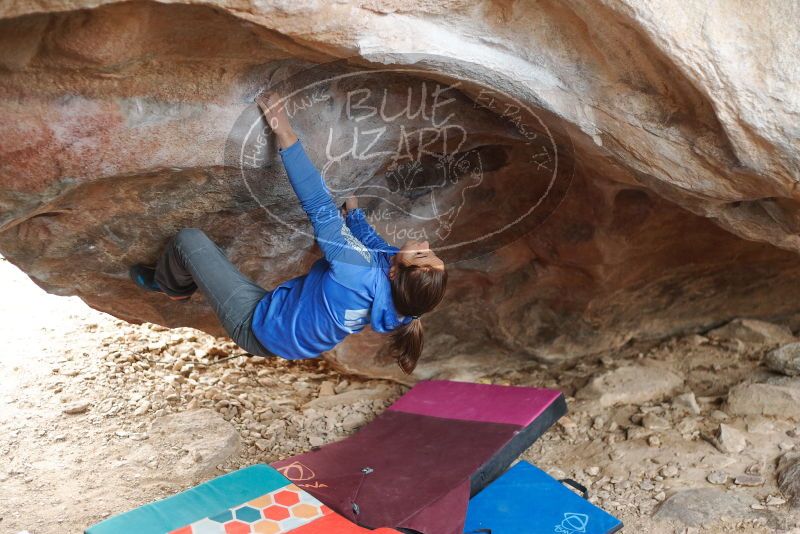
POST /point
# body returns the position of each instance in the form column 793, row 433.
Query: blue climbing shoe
column 144, row 277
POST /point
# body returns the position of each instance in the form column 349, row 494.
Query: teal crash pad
column 209, row 498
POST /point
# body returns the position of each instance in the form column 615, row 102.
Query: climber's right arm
column 334, row 237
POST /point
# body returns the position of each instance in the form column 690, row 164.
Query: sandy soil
column 137, row 390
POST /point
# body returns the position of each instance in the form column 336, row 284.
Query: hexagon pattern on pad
column 282, row 510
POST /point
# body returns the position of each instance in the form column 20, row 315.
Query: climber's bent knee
column 188, row 234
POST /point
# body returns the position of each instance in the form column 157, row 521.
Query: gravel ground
column 98, row 416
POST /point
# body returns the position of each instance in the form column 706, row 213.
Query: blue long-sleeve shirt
column 343, row 292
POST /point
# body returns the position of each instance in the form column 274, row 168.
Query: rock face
column 674, row 141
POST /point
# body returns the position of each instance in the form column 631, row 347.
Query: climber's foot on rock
column 144, row 277
column 277, row 118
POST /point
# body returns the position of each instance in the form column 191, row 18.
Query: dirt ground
column 98, row 416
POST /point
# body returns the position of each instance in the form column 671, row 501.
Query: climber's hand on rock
column 275, row 112
column 267, row 100
column 350, row 203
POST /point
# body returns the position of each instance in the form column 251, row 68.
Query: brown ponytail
column 415, row 290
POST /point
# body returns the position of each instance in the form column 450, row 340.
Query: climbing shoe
column 144, row 277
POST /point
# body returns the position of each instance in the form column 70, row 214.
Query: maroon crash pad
column 416, row 465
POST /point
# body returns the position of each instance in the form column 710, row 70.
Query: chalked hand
column 274, row 110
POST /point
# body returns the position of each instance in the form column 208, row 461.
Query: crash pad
column 416, row 465
column 526, row 500
column 256, row 499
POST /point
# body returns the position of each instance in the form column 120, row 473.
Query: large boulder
column 672, row 144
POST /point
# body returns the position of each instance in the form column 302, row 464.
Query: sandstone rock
column 353, row 421
column 774, row 500
column 326, row 389
column 685, row 136
column 789, row 476
column 76, row 408
column 201, row 434
column 687, row 402
column 598, row 422
column 785, row 359
column 718, row 415
column 749, row 480
column 567, row 424
column 696, row 507
column 634, row 384
column 778, row 398
column 142, row 408
column 637, row 432
column 753, row 331
column 717, row 477
column 669, row 471
column 729, row 440
column 757, row 424
column 345, row 399
column 653, row 422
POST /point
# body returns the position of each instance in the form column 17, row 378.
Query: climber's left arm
column 357, row 222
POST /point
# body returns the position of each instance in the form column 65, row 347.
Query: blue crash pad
column 526, row 500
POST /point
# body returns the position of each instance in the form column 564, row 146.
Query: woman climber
column 360, row 280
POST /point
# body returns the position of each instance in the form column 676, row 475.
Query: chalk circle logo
column 430, row 155
column 573, row 523
column 297, row 472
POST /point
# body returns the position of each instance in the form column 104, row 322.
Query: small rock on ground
column 346, row 398
column 717, row 477
column 749, row 480
column 76, row 408
column 652, row 421
column 729, row 440
column 687, row 402
column 326, row 389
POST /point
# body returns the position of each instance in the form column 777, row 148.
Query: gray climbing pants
column 192, row 260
